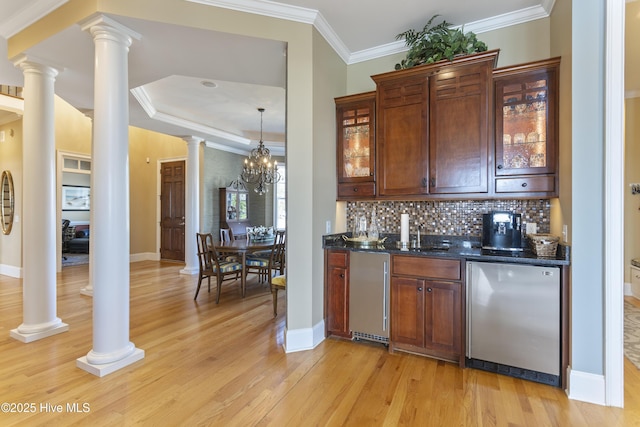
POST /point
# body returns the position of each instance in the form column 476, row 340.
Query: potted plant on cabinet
column 437, row 42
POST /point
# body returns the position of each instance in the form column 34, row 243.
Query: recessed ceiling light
column 208, row 83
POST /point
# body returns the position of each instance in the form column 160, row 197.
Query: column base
column 190, row 270
column 108, row 368
column 30, row 337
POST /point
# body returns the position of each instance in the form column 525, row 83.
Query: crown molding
column 507, row 19
column 315, row 18
column 288, row 12
column 146, row 103
column 478, row 27
column 27, row 16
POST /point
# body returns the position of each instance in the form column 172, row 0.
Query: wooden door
column 407, row 311
column 172, row 211
column 402, row 137
column 443, row 320
column 459, row 132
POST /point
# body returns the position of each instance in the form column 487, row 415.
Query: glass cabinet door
column 232, row 206
column 355, row 139
column 525, row 124
column 242, row 206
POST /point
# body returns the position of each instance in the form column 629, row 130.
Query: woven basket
column 544, row 245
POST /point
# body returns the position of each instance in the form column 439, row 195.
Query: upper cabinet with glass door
column 355, row 123
column 526, row 128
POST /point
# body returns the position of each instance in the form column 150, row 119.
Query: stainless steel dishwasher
column 513, row 320
column 369, row 296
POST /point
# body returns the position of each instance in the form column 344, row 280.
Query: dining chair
column 279, row 281
column 212, row 266
column 226, row 235
column 264, row 262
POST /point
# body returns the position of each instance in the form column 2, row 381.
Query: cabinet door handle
column 433, row 182
column 429, row 289
column 424, row 182
column 420, row 289
column 524, row 184
column 500, row 166
column 355, row 189
column 342, row 276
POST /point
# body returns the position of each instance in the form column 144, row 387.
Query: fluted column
column 192, row 206
column 39, row 248
column 109, row 254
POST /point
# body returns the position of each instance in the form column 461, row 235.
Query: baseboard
column 145, row 256
column 11, row 271
column 586, row 387
column 303, row 339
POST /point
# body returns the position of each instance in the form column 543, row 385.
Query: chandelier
column 258, row 169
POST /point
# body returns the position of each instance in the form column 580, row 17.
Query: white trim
column 147, row 105
column 614, row 203
column 586, row 387
column 303, row 339
column 311, row 16
column 28, row 15
column 144, row 256
column 11, row 271
column 506, row 20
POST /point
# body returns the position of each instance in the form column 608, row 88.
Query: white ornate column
column 39, row 229
column 192, row 206
column 109, row 254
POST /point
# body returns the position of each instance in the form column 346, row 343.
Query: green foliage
column 438, row 42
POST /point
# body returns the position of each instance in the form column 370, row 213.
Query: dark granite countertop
column 465, row 247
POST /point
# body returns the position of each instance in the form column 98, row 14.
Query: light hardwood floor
column 223, row 365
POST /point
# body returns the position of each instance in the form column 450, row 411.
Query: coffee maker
column 502, row 231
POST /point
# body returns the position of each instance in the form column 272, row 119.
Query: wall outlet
column 532, row 228
column 565, row 233
column 328, row 227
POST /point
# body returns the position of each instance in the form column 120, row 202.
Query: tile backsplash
column 454, row 218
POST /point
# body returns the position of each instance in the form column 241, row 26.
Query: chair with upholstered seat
column 212, row 266
column 276, row 263
column 264, row 262
column 278, row 283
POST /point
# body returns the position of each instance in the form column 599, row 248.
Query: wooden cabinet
column 402, row 130
column 355, row 119
column 337, row 293
column 455, row 129
column 526, row 129
column 459, row 127
column 234, row 208
column 426, row 306
column 433, row 128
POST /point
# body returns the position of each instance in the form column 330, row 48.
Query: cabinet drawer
column 363, row 189
column 526, row 185
column 436, row 268
column 338, row 258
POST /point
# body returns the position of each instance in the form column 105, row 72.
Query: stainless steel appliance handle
column 385, row 287
column 468, row 304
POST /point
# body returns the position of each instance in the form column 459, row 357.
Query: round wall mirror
column 7, row 201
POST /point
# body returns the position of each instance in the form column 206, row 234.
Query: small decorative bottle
column 373, row 227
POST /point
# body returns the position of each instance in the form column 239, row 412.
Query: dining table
column 243, row 247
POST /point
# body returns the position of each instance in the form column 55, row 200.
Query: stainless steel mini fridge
column 369, row 296
column 513, row 319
